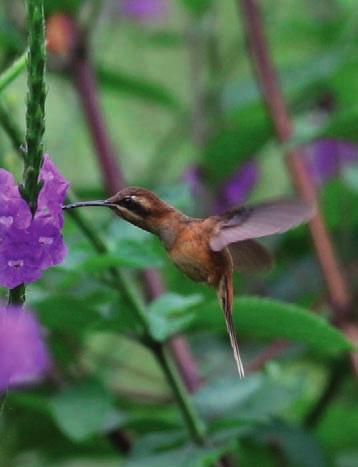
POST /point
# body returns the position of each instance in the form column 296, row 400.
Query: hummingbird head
column 136, row 205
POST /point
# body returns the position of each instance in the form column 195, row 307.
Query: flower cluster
column 23, row 354
column 29, row 245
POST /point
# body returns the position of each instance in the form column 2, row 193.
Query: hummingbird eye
column 129, row 202
column 132, row 204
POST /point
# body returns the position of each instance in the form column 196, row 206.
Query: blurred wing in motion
column 259, row 220
column 249, row 256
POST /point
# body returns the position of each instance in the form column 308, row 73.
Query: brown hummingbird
column 209, row 250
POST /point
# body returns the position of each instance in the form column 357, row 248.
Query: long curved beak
column 83, row 204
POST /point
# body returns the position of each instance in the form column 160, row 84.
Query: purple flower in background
column 23, row 355
column 192, row 176
column 237, row 188
column 326, row 157
column 144, row 10
column 29, row 246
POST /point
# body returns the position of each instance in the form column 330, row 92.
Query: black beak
column 83, row 204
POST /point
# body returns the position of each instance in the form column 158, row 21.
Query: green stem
column 11, row 128
column 17, row 295
column 13, row 71
column 35, row 116
column 195, row 425
column 36, row 96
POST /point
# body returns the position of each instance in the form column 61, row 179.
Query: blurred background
column 162, row 94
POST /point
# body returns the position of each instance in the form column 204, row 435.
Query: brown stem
column 85, row 83
column 266, row 355
column 276, row 108
column 86, row 87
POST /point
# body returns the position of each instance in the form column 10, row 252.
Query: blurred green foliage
column 103, row 379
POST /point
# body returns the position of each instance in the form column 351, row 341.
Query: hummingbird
column 210, row 249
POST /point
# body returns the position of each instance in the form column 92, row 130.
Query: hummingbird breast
column 192, row 255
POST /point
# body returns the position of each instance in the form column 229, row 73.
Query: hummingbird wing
column 225, row 296
column 259, row 220
column 249, row 256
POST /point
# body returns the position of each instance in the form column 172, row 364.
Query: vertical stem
column 36, row 96
column 276, row 108
column 35, row 116
column 194, row 423
column 86, row 86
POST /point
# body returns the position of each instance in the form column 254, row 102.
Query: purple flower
column 8, row 188
column 20, row 259
column 14, row 211
column 30, row 245
column 52, row 194
column 55, row 185
column 47, row 239
column 325, row 158
column 144, row 10
column 236, row 189
column 23, row 355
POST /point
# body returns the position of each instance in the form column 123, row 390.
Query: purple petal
column 23, row 354
column 144, row 10
column 326, row 158
column 8, row 187
column 237, row 188
column 48, row 240
column 55, row 185
column 20, row 260
column 52, row 194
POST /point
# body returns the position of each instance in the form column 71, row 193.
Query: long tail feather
column 225, row 295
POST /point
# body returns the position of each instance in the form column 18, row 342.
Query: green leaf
column 127, row 254
column 119, row 82
column 272, row 319
column 299, row 447
column 197, row 7
column 67, row 313
column 342, row 414
column 169, row 304
column 187, row 456
column 83, row 410
column 254, row 398
column 342, row 125
column 166, row 314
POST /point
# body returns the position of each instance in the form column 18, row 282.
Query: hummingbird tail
column 225, row 295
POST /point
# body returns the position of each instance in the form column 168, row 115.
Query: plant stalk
column 35, row 115
column 276, row 108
